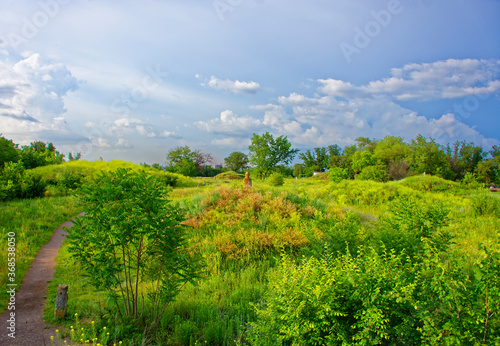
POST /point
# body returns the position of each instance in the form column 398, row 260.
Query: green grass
column 33, row 222
column 241, row 236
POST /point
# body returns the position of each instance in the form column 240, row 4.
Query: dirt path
column 30, row 299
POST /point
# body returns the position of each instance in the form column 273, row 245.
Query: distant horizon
column 131, row 81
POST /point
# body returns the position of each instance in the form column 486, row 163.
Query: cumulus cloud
column 236, row 86
column 32, row 91
column 446, row 79
column 229, row 123
column 340, row 111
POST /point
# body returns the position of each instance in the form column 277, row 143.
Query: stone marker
column 61, row 301
column 247, row 181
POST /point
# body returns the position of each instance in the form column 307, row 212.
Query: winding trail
column 30, row 328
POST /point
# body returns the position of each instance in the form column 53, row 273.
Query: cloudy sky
column 132, row 80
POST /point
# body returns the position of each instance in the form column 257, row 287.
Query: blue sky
column 132, row 80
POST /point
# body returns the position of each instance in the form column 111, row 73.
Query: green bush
column 32, row 185
column 338, row 174
column 375, row 173
column 484, row 204
column 131, row 235
column 70, row 179
column 344, row 300
column 276, row 179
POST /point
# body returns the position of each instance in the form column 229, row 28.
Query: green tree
column 184, row 161
column 9, row 151
column 130, row 242
column 236, row 161
column 365, row 143
column 391, row 149
column 486, row 171
column 76, row 157
column 266, row 152
column 427, row 156
column 362, row 159
column 464, row 158
column 39, row 154
column 298, row 170
column 317, row 159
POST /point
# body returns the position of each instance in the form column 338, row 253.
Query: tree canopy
column 266, row 152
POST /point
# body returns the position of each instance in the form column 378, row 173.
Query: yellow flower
column 52, row 337
column 104, row 328
column 92, row 322
column 57, row 331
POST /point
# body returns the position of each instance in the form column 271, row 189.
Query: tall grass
column 33, row 221
column 421, row 225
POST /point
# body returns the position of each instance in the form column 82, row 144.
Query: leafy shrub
column 345, row 300
column 130, row 235
column 484, row 204
column 275, row 179
column 338, row 174
column 430, row 183
column 11, row 180
column 375, row 173
column 410, row 220
column 70, row 179
column 32, row 185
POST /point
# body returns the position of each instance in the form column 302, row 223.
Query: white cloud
column 232, row 142
column 236, row 87
column 229, row 123
column 32, row 91
column 446, row 79
column 122, row 143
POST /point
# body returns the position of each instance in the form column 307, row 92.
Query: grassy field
column 33, row 222
column 313, row 262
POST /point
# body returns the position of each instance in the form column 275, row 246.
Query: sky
column 132, row 80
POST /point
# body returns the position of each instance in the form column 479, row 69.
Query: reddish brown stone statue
column 247, row 182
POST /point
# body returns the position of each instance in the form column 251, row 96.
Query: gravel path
column 30, row 299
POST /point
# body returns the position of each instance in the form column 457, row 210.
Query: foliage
column 275, row 179
column 375, row 173
column 16, row 183
column 130, row 234
column 415, row 262
column 236, row 161
column 338, row 174
column 362, row 159
column 39, row 154
column 320, row 157
column 427, row 156
column 33, row 221
column 266, row 152
column 344, row 300
column 183, row 160
column 8, row 151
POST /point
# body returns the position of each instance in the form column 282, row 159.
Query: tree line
column 390, row 158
